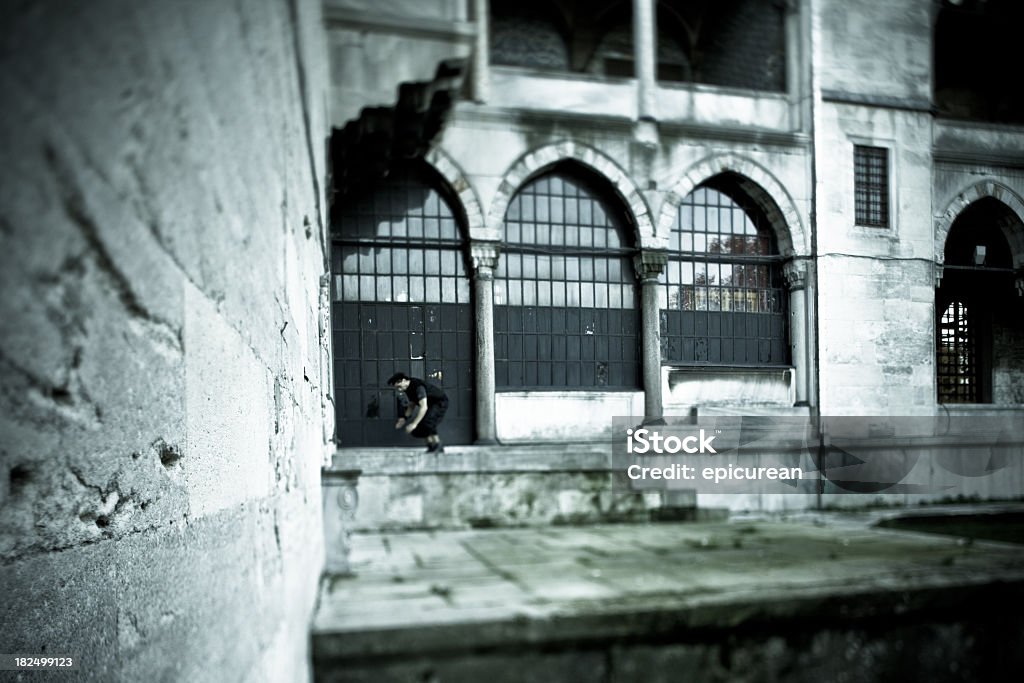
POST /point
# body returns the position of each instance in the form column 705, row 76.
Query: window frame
column 700, row 259
column 888, row 221
column 599, row 339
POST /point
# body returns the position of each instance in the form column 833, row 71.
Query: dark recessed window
column 957, row 364
column 730, row 43
column 871, row 186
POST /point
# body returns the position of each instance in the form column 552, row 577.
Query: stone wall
column 876, row 284
column 374, row 46
column 162, row 353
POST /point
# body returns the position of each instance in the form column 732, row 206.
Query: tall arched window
column 566, row 311
column 724, row 301
column 980, row 316
column 401, row 303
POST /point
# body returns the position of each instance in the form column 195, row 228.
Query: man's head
column 399, row 380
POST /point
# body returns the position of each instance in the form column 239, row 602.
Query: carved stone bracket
column 649, row 264
column 484, row 258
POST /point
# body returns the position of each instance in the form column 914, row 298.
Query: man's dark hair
column 397, row 377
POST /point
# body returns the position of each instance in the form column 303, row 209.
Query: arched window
column 606, row 35
column 401, row 303
column 980, row 317
column 579, row 36
column 733, row 43
column 528, row 34
column 566, row 311
column 724, row 301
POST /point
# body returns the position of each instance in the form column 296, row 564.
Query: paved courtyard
column 422, row 594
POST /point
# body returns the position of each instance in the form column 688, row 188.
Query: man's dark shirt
column 418, row 390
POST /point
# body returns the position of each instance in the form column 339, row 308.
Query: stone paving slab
column 424, row 592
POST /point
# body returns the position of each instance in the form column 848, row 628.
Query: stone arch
column 758, row 182
column 469, row 202
column 1013, row 231
column 533, row 162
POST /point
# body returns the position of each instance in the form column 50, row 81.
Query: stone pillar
column 484, row 257
column 645, row 49
column 795, row 273
column 481, row 82
column 649, row 265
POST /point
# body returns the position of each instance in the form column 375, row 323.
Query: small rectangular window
column 871, row 186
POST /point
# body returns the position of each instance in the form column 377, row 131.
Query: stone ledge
column 562, row 457
column 443, row 599
column 678, row 617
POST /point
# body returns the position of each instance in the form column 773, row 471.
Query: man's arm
column 421, row 410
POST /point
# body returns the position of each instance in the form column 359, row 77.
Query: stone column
column 645, row 49
column 484, row 256
column 795, row 273
column 481, row 83
column 649, row 265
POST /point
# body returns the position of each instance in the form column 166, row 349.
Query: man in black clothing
column 425, row 409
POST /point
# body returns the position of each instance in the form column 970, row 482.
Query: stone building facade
column 784, row 179
column 561, row 211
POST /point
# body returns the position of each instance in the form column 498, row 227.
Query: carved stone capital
column 484, row 258
column 649, row 264
column 795, row 273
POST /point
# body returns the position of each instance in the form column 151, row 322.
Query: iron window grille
column 566, row 311
column 957, row 359
column 723, row 301
column 871, row 186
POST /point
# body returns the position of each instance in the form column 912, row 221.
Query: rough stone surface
column 489, row 487
column 824, row 598
column 161, row 408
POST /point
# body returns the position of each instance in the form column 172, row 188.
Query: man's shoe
column 431, row 447
column 440, row 449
